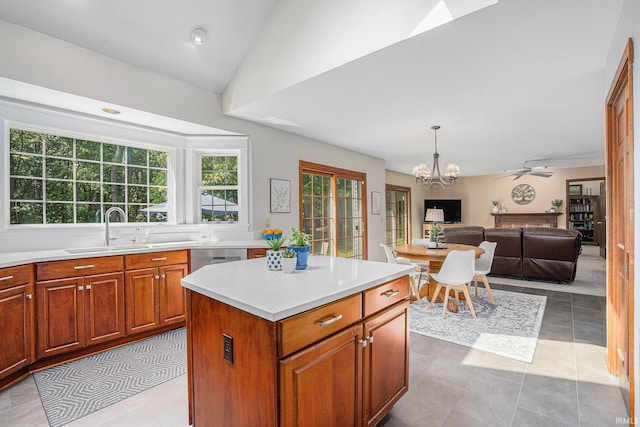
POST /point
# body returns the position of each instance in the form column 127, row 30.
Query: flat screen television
column 452, row 208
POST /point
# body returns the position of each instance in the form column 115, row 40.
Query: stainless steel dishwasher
column 202, row 257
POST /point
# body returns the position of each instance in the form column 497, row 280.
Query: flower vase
column 495, row 209
column 274, row 260
column 289, row 264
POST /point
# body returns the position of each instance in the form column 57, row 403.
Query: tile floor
column 566, row 385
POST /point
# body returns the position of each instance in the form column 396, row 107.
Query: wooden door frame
column 623, row 76
column 393, row 187
column 305, row 166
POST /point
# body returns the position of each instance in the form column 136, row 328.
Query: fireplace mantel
column 533, row 219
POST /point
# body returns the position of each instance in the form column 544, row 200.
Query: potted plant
column 434, row 235
column 289, row 260
column 274, row 255
column 300, row 243
column 556, row 203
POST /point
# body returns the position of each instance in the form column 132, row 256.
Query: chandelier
column 430, row 178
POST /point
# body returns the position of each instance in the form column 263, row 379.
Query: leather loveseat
column 531, row 252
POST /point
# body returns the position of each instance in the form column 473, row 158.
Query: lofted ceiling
column 507, row 81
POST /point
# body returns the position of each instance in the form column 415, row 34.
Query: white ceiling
column 516, row 80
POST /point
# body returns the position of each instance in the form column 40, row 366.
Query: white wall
column 40, row 60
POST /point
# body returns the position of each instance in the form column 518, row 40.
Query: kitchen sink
column 99, row 249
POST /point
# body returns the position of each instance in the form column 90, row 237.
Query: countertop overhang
column 273, row 295
column 10, row 259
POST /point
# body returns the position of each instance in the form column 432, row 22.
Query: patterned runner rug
column 75, row 389
column 510, row 328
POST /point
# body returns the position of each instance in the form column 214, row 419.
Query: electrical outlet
column 267, row 222
column 228, row 348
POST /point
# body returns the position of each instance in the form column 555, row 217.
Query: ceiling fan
column 528, row 170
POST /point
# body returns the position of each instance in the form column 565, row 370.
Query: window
column 57, row 179
column 219, row 188
column 333, row 210
column 398, row 200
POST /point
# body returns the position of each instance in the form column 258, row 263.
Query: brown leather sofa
column 531, row 252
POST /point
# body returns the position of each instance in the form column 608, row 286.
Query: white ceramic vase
column 274, row 259
column 289, row 264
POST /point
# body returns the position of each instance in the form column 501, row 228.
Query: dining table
column 433, row 258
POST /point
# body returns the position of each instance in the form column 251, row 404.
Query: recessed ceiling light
column 110, row 111
column 198, row 35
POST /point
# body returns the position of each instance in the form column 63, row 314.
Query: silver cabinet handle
column 88, row 287
column 83, row 267
column 390, row 293
column 162, row 276
column 162, row 258
column 29, row 296
column 6, row 278
column 332, row 319
column 363, row 343
column 369, row 339
column 81, row 288
column 156, row 277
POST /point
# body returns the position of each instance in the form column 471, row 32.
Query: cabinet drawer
column 304, row 329
column 78, row 267
column 14, row 276
column 155, row 259
column 256, row 253
column 385, row 295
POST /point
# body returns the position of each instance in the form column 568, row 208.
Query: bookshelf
column 583, row 216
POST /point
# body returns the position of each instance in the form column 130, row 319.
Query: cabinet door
column 16, row 310
column 60, row 316
column 322, row 386
column 386, row 361
column 141, row 290
column 104, row 307
column 172, row 303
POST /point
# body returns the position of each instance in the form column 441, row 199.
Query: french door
column 333, row 210
column 398, row 203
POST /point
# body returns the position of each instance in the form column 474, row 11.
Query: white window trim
column 220, row 146
column 180, row 179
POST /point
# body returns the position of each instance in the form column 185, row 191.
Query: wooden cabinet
column 16, row 318
column 256, row 253
column 386, row 362
column 344, row 363
column 155, row 296
column 74, row 312
column 582, row 216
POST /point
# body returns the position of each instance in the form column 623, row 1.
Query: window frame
column 67, row 133
column 223, row 146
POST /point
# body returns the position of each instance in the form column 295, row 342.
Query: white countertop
column 10, row 259
column 274, row 295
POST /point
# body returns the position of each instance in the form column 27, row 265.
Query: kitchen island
column 324, row 346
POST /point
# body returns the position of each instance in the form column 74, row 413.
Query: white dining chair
column 456, row 272
column 483, row 267
column 416, row 279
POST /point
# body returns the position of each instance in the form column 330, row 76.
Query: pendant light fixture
column 432, row 177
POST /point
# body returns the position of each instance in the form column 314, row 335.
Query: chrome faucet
column 107, row 238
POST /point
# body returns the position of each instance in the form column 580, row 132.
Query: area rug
column 510, row 328
column 75, row 389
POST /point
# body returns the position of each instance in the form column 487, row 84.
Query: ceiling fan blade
column 542, row 174
column 519, row 175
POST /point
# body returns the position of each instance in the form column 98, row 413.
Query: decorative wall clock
column 523, row 194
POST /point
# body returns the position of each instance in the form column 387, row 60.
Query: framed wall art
column 575, row 189
column 280, row 195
